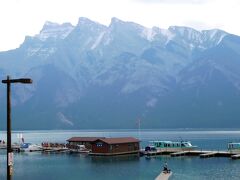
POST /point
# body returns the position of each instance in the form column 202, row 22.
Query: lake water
column 39, row 166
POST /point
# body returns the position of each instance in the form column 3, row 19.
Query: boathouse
column 115, row 146
column 86, row 141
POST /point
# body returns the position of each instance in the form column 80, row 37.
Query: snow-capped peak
column 83, row 21
column 116, row 20
column 151, row 33
column 186, row 32
column 54, row 30
column 148, row 33
column 215, row 35
column 181, row 30
column 201, row 39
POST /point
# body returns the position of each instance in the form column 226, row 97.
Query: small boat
column 79, row 149
column 3, row 145
column 29, row 147
column 234, row 147
column 172, row 146
column 150, row 148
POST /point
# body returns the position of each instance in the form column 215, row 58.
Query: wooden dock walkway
column 163, row 176
column 55, row 150
column 180, row 153
column 208, row 155
column 200, row 153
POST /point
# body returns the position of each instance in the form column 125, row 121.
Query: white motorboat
column 29, row 147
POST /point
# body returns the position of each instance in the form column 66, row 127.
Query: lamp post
column 8, row 81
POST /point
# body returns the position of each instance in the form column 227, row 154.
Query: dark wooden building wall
column 102, row 147
column 115, row 148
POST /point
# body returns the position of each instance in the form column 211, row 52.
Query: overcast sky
column 19, row 18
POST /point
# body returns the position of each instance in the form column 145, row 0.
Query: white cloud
column 175, row 1
column 26, row 17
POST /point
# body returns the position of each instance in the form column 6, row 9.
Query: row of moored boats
column 168, row 146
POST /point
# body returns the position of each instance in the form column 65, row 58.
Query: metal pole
column 9, row 143
column 8, row 81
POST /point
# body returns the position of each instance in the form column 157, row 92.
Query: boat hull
column 175, row 149
column 31, row 148
column 234, row 151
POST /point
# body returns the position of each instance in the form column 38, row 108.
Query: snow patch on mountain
column 148, row 33
column 197, row 39
column 151, row 102
column 214, row 35
column 43, row 52
column 98, row 40
column 151, row 33
column 168, row 34
column 32, row 51
column 107, row 39
column 64, row 119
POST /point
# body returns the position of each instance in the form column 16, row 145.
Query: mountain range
column 92, row 76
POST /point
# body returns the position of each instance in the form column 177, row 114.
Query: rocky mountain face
column 94, row 76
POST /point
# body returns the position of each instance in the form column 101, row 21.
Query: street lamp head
column 22, row 80
column 25, row 80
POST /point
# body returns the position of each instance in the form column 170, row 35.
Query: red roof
column 84, row 139
column 119, row 140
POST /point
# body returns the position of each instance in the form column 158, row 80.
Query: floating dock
column 200, row 153
column 208, row 154
column 163, row 176
column 180, row 153
column 55, row 150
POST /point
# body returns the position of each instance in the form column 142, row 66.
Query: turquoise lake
column 40, row 166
